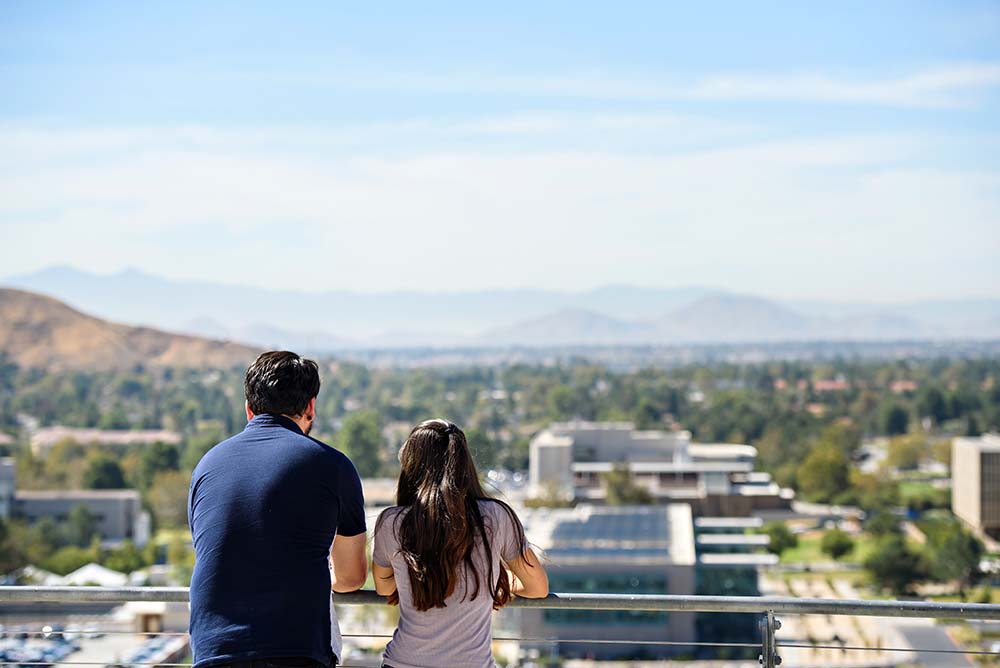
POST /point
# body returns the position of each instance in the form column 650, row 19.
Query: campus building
column 119, row 512
column 634, row 550
column 569, row 459
column 7, row 486
column 46, row 438
column 975, row 482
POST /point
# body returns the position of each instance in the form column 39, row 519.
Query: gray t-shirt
column 459, row 633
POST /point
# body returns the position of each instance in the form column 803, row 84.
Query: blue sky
column 847, row 151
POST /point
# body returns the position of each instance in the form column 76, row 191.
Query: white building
column 569, row 459
column 46, row 438
column 975, row 487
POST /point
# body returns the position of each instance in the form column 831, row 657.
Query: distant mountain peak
column 42, row 332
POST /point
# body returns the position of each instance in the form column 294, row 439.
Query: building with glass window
column 569, row 459
column 613, row 550
column 975, row 486
column 657, row 549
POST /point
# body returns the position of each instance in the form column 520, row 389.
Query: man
column 265, row 507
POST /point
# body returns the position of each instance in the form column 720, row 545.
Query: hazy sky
column 846, row 151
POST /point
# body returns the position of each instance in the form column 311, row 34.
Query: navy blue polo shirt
column 264, row 508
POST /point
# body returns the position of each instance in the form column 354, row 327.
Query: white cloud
column 950, row 85
column 837, row 217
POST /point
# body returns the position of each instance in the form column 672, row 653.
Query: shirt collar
column 273, row 420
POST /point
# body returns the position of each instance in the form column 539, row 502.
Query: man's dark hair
column 281, row 382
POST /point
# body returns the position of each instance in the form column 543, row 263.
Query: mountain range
column 328, row 321
column 41, row 332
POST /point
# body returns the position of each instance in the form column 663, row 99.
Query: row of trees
column 763, row 404
column 894, row 563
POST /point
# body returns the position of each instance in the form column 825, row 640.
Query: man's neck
column 301, row 421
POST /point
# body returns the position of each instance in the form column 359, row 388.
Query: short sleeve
column 351, row 521
column 509, row 534
column 384, row 543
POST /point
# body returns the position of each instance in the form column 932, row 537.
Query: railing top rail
column 671, row 603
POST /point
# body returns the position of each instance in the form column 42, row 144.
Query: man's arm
column 349, row 566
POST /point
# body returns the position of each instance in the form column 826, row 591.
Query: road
column 925, row 636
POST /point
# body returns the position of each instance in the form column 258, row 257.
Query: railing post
column 769, row 657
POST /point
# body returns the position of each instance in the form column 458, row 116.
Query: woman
column 449, row 554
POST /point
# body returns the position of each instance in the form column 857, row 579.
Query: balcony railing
column 768, row 608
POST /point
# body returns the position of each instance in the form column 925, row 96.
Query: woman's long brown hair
column 439, row 486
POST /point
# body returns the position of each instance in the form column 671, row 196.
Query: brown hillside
column 38, row 331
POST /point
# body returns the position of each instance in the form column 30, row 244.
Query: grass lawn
column 167, row 536
column 808, row 550
column 973, row 595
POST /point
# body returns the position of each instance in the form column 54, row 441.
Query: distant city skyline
column 832, row 153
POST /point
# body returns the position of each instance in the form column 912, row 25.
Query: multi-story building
column 119, row 512
column 975, row 482
column 613, row 550
column 7, row 486
column 46, row 438
column 635, row 550
column 718, row 479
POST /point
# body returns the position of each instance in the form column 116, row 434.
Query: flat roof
column 71, row 494
column 721, row 450
column 625, row 534
column 985, row 443
column 664, row 467
column 728, row 523
column 737, row 560
column 741, row 539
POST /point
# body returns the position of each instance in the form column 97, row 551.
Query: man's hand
column 348, row 565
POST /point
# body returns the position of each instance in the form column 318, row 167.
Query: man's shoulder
column 332, row 454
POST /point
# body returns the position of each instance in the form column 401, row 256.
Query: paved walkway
column 924, row 636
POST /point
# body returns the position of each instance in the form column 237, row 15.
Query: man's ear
column 311, row 410
column 249, row 412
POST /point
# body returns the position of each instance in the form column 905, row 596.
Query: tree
column 907, row 451
column 11, row 554
column 157, row 457
column 883, row 523
column 562, row 402
column 931, row 403
column 198, row 444
column 360, row 438
column 124, row 559
column 647, row 414
column 81, row 526
column 836, row 543
column 116, row 418
column 103, row 472
column 845, row 437
column 873, row 492
column 894, row 419
column 894, row 566
column 181, row 557
column 68, row 559
column 954, row 555
column 781, row 537
column 824, row 474
column 621, row 489
column 168, row 498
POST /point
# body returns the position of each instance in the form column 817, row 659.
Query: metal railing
column 768, row 607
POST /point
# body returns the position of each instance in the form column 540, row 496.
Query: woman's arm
column 529, row 578
column 385, row 579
